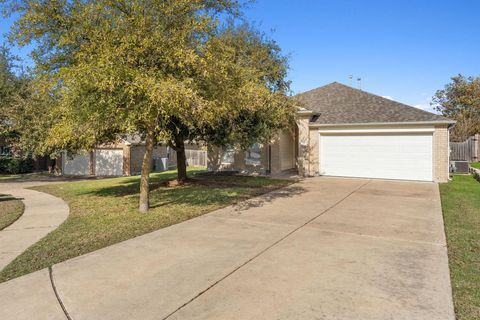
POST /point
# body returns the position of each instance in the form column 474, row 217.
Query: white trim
column 373, row 130
column 380, row 123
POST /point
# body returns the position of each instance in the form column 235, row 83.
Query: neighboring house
column 124, row 159
column 342, row 131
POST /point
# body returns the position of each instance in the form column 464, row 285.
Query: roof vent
column 359, row 81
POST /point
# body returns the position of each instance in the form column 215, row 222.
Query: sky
column 405, row 50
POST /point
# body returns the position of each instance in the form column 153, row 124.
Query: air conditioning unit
column 459, row 166
column 160, row 164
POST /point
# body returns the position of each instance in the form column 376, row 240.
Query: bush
column 13, row 165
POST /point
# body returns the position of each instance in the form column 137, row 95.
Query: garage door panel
column 108, row 162
column 407, row 157
column 78, row 165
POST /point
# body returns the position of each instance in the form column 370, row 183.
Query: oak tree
column 163, row 69
column 460, row 100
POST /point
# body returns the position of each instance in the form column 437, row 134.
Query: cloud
column 425, row 105
column 388, row 97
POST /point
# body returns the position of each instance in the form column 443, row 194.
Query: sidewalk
column 43, row 213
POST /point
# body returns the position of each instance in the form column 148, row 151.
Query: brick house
column 342, row 131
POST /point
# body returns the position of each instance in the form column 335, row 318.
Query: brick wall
column 304, row 152
column 314, row 153
column 441, row 152
column 136, row 156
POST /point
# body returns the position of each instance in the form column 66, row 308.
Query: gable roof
column 336, row 103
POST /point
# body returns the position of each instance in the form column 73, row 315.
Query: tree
column 8, row 88
column 460, row 100
column 109, row 68
column 14, row 90
column 245, row 84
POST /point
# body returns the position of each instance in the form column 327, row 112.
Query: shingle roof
column 340, row 104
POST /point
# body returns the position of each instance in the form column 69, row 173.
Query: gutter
column 449, row 122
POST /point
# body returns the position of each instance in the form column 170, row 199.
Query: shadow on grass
column 192, row 195
column 8, row 197
column 131, row 185
column 200, row 190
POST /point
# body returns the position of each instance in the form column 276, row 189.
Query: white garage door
column 384, row 156
column 79, row 165
column 108, row 162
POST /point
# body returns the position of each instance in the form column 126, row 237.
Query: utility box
column 459, row 166
column 160, row 164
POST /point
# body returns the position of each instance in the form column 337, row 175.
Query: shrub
column 15, row 165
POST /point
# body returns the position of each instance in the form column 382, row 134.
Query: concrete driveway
column 325, row 248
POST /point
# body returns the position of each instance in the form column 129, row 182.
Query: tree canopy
column 14, row 90
column 460, row 100
column 165, row 69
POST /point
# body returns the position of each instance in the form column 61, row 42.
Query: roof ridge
column 391, row 100
column 360, row 91
column 340, row 103
column 310, row 90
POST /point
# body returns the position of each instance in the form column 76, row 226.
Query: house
column 347, row 132
column 125, row 158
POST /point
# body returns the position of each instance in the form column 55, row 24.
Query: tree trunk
column 181, row 161
column 145, row 177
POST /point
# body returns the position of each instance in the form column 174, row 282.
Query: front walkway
column 43, row 213
column 324, row 248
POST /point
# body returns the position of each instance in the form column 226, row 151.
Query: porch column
column 304, row 152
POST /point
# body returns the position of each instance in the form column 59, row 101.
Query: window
column 5, row 151
column 228, row 156
column 253, row 155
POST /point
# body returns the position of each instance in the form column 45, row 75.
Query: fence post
column 476, row 147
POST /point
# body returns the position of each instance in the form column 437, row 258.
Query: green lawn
column 104, row 212
column 27, row 176
column 10, row 210
column 461, row 211
column 475, row 165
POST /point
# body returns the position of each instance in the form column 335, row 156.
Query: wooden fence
column 197, row 158
column 468, row 150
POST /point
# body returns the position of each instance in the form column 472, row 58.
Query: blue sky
column 404, row 49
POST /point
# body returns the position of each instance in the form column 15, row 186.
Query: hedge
column 14, row 165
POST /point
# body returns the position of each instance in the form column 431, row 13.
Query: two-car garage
column 100, row 162
column 404, row 156
column 348, row 132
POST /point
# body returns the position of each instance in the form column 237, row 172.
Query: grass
column 475, row 165
column 26, row 176
column 461, row 210
column 10, row 210
column 104, row 212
